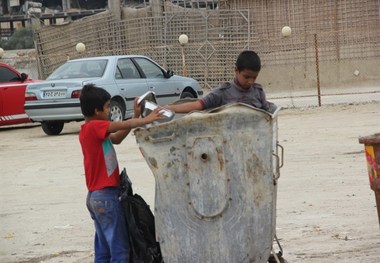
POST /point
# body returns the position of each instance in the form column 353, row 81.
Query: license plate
column 54, row 94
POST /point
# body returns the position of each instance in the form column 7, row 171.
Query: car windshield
column 80, row 69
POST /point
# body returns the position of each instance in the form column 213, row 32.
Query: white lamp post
column 183, row 40
column 1, row 52
column 80, row 47
column 286, row 31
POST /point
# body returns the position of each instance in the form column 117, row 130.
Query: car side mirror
column 24, row 76
column 169, row 73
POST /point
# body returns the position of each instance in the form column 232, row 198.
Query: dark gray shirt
column 230, row 92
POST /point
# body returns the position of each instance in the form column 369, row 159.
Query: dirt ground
column 326, row 210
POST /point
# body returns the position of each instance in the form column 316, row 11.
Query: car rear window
column 80, row 69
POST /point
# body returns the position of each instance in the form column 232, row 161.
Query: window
column 95, row 68
column 7, row 75
column 126, row 69
column 151, row 70
column 80, row 69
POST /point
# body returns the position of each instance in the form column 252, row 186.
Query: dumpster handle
column 278, row 163
column 282, row 154
column 162, row 139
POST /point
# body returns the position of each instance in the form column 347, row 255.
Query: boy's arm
column 264, row 102
column 186, row 107
column 118, row 137
column 120, row 130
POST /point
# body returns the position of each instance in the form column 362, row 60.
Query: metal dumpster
column 215, row 184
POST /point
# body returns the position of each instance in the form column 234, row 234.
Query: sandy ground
column 325, row 209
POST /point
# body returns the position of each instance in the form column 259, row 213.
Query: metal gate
column 216, row 37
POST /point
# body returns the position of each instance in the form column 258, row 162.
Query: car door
column 12, row 95
column 166, row 91
column 129, row 81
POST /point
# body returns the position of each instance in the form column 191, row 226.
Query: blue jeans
column 111, row 234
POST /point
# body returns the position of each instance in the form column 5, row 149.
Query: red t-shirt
column 100, row 163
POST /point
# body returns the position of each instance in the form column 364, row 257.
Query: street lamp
column 317, row 69
column 80, row 47
column 1, row 52
column 183, row 40
column 286, row 31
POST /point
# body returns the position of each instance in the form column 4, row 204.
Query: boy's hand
column 155, row 115
column 136, row 108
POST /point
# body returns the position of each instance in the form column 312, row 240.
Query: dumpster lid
column 371, row 139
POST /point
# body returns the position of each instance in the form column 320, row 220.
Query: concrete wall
column 22, row 60
column 332, row 75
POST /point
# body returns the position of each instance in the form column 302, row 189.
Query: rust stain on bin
column 220, row 158
column 153, row 162
column 372, row 153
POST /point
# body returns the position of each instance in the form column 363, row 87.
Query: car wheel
column 52, row 127
column 187, row 94
column 117, row 111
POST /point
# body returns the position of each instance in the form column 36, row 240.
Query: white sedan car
column 56, row 100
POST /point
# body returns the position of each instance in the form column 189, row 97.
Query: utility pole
column 115, row 8
column 66, row 5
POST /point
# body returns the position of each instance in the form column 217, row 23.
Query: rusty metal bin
column 372, row 154
column 216, row 182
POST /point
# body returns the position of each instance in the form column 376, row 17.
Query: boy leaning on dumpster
column 242, row 88
column 96, row 137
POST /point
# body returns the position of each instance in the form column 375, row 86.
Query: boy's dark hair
column 91, row 98
column 248, row 59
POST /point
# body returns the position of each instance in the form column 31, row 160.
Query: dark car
column 12, row 95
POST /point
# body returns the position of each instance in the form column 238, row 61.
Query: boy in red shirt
column 97, row 136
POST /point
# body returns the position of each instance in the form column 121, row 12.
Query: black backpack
column 144, row 247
